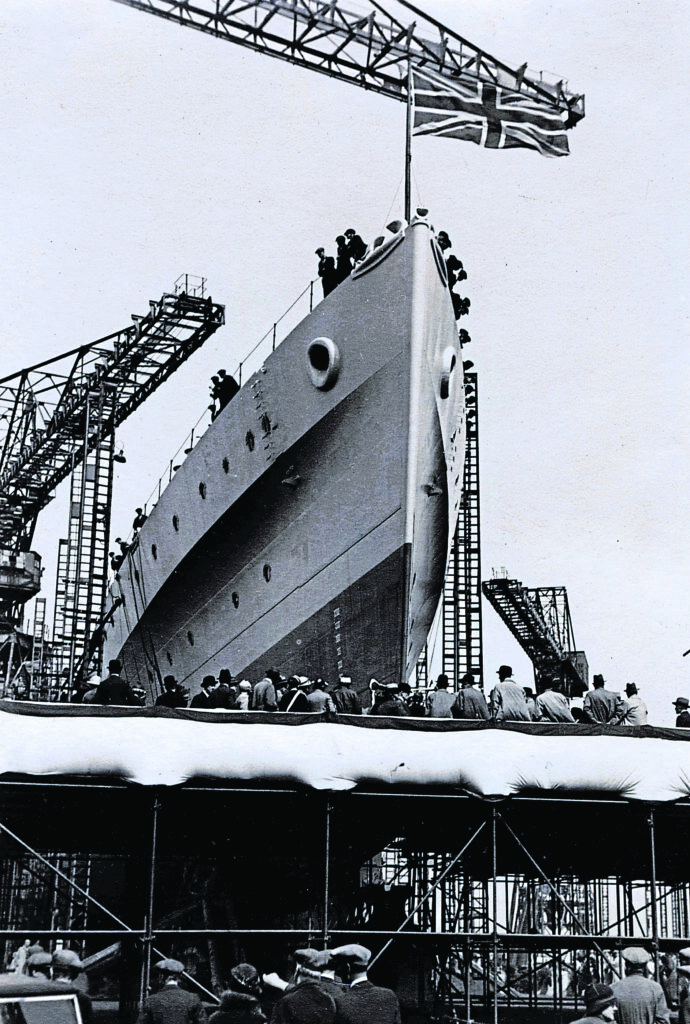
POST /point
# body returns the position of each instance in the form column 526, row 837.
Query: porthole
column 169, row 657
column 267, row 572
column 323, row 363
column 235, row 599
column 448, row 363
column 190, row 638
column 154, row 552
column 202, row 489
column 226, row 465
column 176, row 523
column 249, row 440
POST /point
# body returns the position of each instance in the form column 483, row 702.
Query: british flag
column 486, row 114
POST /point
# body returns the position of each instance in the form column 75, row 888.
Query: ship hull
column 309, row 527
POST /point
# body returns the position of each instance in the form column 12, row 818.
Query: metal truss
column 371, row 47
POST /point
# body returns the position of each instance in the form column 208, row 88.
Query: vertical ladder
column 37, row 646
column 462, row 609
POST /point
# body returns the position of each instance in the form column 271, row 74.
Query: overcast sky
column 135, row 150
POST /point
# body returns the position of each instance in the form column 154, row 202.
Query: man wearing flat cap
column 361, row 1002
column 639, row 999
column 66, row 970
column 38, row 965
column 172, row 1004
column 600, row 1003
column 307, row 1001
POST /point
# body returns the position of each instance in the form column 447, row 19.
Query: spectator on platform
column 601, row 706
column 223, row 697
column 264, row 695
column 600, row 1005
column 552, row 705
column 294, row 698
column 114, row 689
column 38, row 965
column 346, row 700
column 639, row 999
column 173, row 696
column 19, row 957
column 440, row 701
column 470, row 702
column 356, row 249
column 203, row 700
column 360, row 1002
column 172, row 1004
column 317, row 698
column 636, row 711
column 681, row 705
column 508, row 702
column 387, row 700
column 243, row 701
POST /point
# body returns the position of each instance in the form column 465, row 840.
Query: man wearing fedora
column 636, row 711
column 360, row 1002
column 600, row 1004
column 470, row 702
column 172, row 1004
column 508, row 702
column 681, row 704
column 601, row 706
column 639, row 999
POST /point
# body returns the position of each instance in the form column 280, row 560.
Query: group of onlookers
column 333, row 270
column 636, row 998
column 63, row 966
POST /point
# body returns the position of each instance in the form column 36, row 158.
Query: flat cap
column 67, row 958
column 597, row 998
column 685, row 953
column 170, row 966
column 315, row 959
column 358, row 956
column 636, row 955
column 36, row 948
column 39, row 960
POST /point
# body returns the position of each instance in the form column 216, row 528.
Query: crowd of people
column 334, row 269
column 508, row 701
column 637, row 998
column 62, row 966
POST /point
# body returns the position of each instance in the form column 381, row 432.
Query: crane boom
column 371, row 48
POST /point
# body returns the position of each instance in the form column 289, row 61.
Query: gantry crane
column 58, row 418
column 539, row 619
column 372, row 47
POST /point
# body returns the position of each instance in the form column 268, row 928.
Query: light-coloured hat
column 169, row 966
column 636, row 955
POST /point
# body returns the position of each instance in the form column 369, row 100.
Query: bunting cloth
column 486, row 114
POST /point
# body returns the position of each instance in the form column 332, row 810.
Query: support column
column 326, row 873
column 653, row 887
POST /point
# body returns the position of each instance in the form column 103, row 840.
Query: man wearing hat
column 327, row 272
column 38, row 964
column 306, row 1001
column 172, row 1004
column 508, row 701
column 681, row 704
column 470, row 702
column 361, row 1002
column 601, row 706
column 387, row 700
column 639, row 999
column 600, row 1003
column 238, row 1008
column 636, row 711
column 355, row 247
column 66, row 969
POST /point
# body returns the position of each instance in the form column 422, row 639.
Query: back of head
column 237, row 1008
column 442, row 682
column 504, row 672
column 225, row 677
column 597, row 998
column 274, row 675
column 245, row 978
column 208, row 682
column 169, row 682
column 597, row 681
column 114, row 667
column 67, row 962
column 630, row 689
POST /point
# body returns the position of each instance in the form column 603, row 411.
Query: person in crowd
column 346, row 700
column 681, row 705
column 38, row 965
column 243, row 701
column 223, row 696
column 172, row 1004
column 174, row 695
column 387, row 700
column 440, row 701
column 294, row 698
column 668, row 979
column 361, row 1002
column 356, row 248
column 317, row 698
column 237, row 1008
column 264, row 694
column 636, row 711
column 204, row 699
column 456, row 271
column 66, row 969
column 226, row 390
column 602, row 706
column 215, row 384
column 639, row 999
column 114, row 689
column 91, row 688
column 115, row 561
column 684, row 986
column 18, row 962
column 552, row 705
column 470, row 702
column 461, row 306
column 306, row 1000
column 507, row 701
column 343, row 264
column 124, row 546
column 600, row 1005
column 327, row 272
column 139, row 519
column 531, row 702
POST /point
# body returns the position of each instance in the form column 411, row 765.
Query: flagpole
column 408, row 147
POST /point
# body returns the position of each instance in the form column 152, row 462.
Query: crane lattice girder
column 43, row 409
column 548, row 644
column 372, row 49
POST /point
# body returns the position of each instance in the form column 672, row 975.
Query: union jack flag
column 485, row 114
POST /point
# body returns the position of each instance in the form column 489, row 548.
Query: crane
column 58, row 418
column 372, row 47
column 539, row 619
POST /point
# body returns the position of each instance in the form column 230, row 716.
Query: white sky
column 135, row 150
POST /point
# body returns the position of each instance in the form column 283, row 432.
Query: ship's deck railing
column 250, row 363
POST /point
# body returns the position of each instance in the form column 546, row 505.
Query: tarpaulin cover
column 160, row 747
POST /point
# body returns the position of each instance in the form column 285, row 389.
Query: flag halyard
column 488, row 115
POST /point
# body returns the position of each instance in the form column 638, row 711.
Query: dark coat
column 347, row 701
column 202, row 701
column 390, row 706
column 173, row 1005
column 114, row 690
column 328, row 274
column 365, row 1003
column 308, row 1003
column 356, row 248
column 294, row 700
